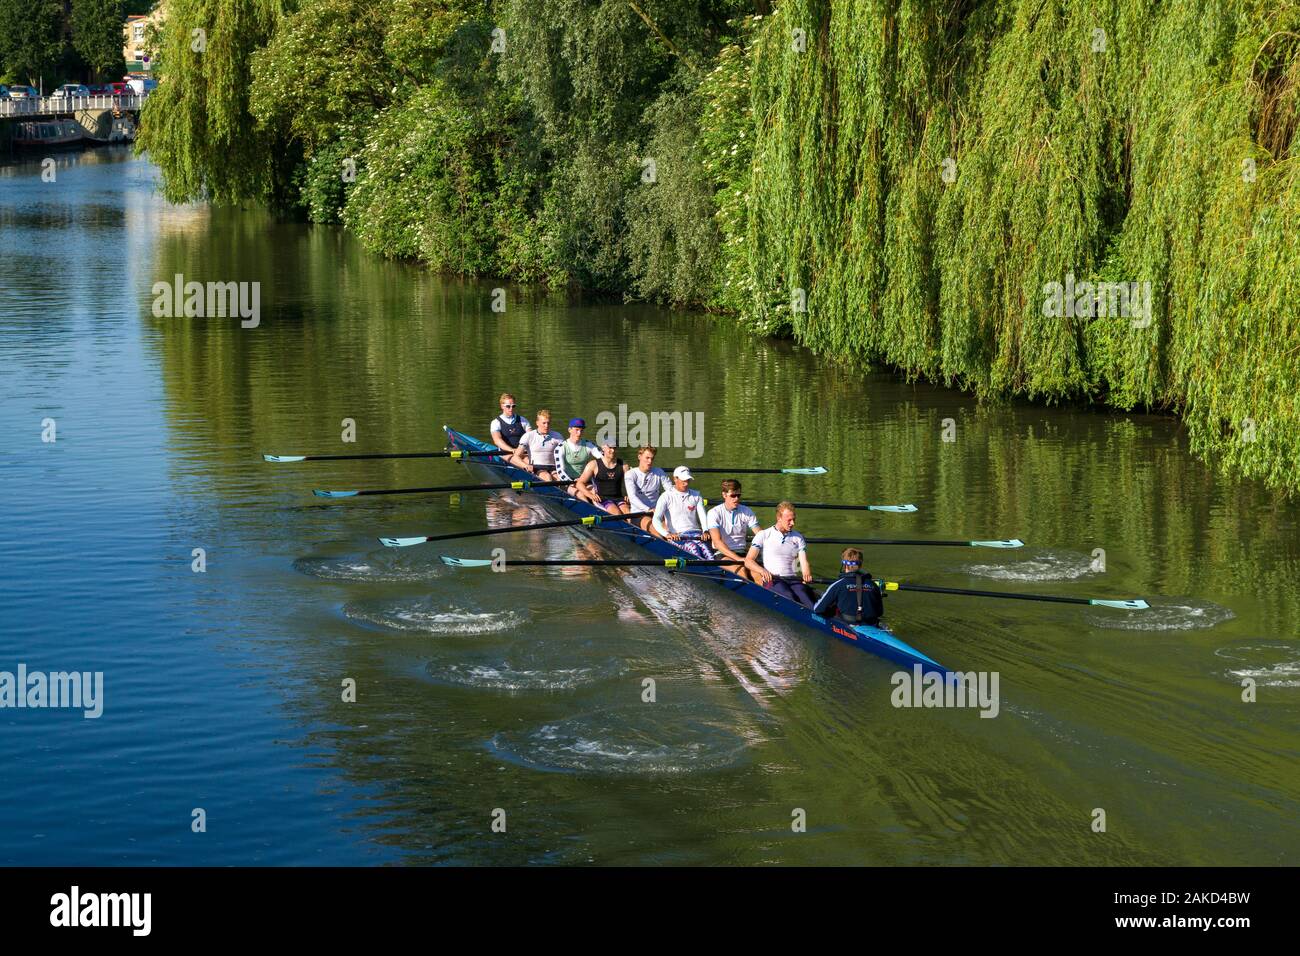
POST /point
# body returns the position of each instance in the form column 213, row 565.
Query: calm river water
column 522, row 692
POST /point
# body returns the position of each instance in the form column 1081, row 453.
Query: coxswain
column 784, row 555
column 540, row 445
column 507, row 428
column 644, row 484
column 729, row 525
column 855, row 596
column 679, row 516
column 601, row 482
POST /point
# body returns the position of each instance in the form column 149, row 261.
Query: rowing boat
column 873, row 640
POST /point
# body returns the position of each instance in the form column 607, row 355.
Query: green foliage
column 31, row 39
column 97, row 35
column 197, row 125
column 1100, row 141
column 895, row 181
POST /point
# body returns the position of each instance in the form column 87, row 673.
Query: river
column 518, row 699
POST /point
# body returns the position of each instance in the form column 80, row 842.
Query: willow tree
column 923, row 173
column 196, row 125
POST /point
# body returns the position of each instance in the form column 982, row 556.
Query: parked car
column 141, row 86
column 117, row 89
column 4, row 92
column 23, row 93
column 71, row 91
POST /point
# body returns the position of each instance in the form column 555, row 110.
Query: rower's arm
column 751, row 562
column 587, row 474
column 656, row 522
column 719, row 544
column 517, row 458
column 805, row 567
column 829, row 601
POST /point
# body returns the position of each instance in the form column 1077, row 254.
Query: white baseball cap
column 682, row 472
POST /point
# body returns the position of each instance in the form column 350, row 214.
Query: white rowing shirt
column 645, row 487
column 684, row 511
column 496, row 423
column 780, row 552
column 541, row 448
column 732, row 525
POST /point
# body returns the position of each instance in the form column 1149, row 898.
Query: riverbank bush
column 909, row 182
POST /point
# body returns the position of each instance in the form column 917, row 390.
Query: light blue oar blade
column 402, row 542
column 282, row 458
column 1137, row 604
column 334, row 494
column 465, row 562
column 900, row 509
column 1013, row 543
column 818, row 470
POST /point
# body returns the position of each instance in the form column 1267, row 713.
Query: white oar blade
column 402, row 542
column 1137, row 604
column 1012, row 543
column 898, row 509
column 334, row 494
column 818, row 470
column 283, row 458
column 465, row 562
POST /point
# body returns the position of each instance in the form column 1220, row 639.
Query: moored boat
column 44, row 134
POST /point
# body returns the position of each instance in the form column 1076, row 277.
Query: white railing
column 51, row 106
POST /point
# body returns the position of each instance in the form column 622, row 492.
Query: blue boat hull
column 873, row 640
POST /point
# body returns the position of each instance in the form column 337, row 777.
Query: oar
column 1132, row 604
column 281, row 459
column 901, row 509
column 589, row 562
column 817, row 470
column 593, row 520
column 515, row 485
column 1010, row 543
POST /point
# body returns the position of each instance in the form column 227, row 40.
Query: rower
column 679, row 516
column 574, row 454
column 540, row 445
column 780, row 547
column 507, row 428
column 601, row 482
column 727, row 525
column 645, row 483
column 855, row 596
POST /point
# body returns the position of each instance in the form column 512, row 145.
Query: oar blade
column 817, row 470
column 465, row 562
column 1136, row 604
column 284, row 458
column 896, row 509
column 334, row 494
column 403, row 542
column 1010, row 543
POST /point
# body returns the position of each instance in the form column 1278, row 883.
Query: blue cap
column 577, row 423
